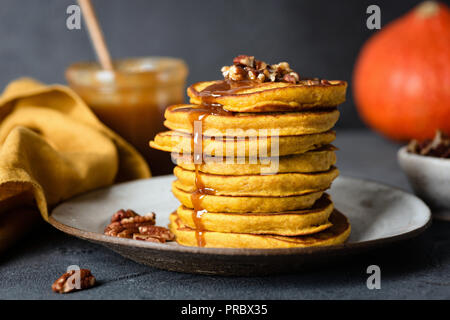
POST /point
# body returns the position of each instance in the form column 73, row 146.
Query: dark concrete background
column 319, row 38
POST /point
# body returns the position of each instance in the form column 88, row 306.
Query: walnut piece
column 68, row 282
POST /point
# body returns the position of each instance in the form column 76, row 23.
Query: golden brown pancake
column 312, row 161
column 291, row 223
column 336, row 234
column 269, row 96
column 213, row 203
column 179, row 118
column 174, row 141
column 281, row 184
column 263, row 159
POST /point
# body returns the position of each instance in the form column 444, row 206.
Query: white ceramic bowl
column 430, row 179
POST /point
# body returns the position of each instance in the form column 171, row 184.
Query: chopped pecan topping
column 115, row 229
column 68, row 282
column 129, row 224
column 121, row 214
column 252, row 75
column 124, row 223
column 312, row 82
column 126, row 233
column 248, row 68
column 291, row 77
column 234, row 73
column 438, row 147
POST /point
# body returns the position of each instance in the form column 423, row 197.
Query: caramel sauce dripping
column 196, row 199
column 225, row 87
column 200, row 113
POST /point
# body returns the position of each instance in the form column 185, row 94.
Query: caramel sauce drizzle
column 225, row 87
column 200, row 113
column 196, row 199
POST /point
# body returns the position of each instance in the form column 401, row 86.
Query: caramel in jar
column 132, row 98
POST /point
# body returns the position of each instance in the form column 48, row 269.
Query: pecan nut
column 113, row 229
column 244, row 60
column 291, row 77
column 235, row 73
column 137, row 220
column 68, row 282
column 121, row 214
column 148, row 238
column 124, row 223
column 129, row 224
column 160, row 233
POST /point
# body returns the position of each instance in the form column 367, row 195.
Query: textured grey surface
column 414, row 269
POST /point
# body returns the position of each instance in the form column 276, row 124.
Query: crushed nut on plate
column 129, row 224
column 248, row 68
column 68, row 282
column 121, row 214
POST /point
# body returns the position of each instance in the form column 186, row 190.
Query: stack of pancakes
column 253, row 163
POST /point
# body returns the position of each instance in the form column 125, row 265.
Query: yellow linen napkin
column 53, row 147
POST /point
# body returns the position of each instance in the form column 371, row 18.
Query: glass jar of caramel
column 132, row 98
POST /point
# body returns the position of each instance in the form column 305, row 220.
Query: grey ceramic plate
column 379, row 214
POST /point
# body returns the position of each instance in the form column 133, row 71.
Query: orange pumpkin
column 402, row 76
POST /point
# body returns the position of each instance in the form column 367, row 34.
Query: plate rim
column 101, row 238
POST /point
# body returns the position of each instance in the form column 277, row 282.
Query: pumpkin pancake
column 213, row 203
column 281, row 184
column 312, row 161
column 178, row 117
column 268, row 96
column 179, row 142
column 291, row 223
column 336, row 234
